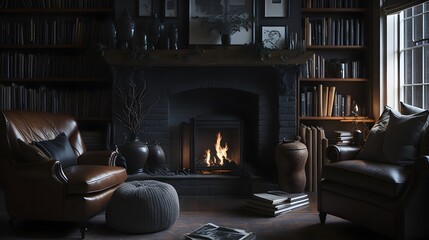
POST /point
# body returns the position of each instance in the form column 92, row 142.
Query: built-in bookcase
column 336, row 78
column 49, row 61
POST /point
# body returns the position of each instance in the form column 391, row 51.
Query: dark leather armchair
column 45, row 189
column 389, row 198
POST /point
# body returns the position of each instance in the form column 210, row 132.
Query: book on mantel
column 274, row 203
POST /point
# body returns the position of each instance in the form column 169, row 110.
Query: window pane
column 418, row 28
column 418, row 9
column 426, row 68
column 408, row 66
column 418, row 96
column 408, row 96
column 408, row 27
column 408, row 12
column 426, row 97
column 426, row 23
column 417, row 65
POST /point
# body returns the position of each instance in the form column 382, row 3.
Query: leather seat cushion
column 86, row 179
column 382, row 178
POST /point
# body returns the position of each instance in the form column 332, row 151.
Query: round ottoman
column 143, row 207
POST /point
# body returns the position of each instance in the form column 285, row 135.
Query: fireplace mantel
column 213, row 57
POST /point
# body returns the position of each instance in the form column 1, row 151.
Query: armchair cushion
column 58, row 149
column 407, row 110
column 86, row 179
column 30, row 153
column 385, row 179
column 403, row 136
column 374, row 142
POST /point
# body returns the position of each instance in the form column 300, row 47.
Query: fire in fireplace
column 215, row 144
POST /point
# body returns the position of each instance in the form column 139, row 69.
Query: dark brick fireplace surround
column 263, row 97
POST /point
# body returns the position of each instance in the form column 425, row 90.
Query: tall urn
column 135, row 153
column 291, row 157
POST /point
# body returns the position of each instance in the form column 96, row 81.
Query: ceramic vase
column 135, row 153
column 126, row 27
column 156, row 158
column 291, row 157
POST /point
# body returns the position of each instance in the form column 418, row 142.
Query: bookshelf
column 336, row 77
column 48, row 59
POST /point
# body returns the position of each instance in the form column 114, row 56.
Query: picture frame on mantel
column 274, row 37
column 171, row 8
column 199, row 34
column 276, row 8
column 144, row 8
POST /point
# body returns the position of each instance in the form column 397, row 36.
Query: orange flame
column 208, row 155
column 221, row 152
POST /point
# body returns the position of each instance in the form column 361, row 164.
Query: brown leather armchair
column 44, row 189
column 389, row 198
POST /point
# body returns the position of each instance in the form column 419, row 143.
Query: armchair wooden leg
column 82, row 230
column 322, row 217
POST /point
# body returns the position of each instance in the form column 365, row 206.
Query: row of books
column 50, row 31
column 274, row 203
column 80, row 103
column 318, row 67
column 27, row 65
column 324, row 101
column 56, row 4
column 314, row 138
column 332, row 3
column 330, row 31
column 214, row 232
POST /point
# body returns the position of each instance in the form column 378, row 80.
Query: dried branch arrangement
column 133, row 110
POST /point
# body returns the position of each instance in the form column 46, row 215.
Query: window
column 412, row 67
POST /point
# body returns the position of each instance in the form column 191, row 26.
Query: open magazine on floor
column 211, row 231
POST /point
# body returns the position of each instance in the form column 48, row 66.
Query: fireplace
column 251, row 108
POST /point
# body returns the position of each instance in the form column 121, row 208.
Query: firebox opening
column 215, row 144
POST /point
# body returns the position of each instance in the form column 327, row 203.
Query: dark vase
column 155, row 32
column 291, row 157
column 109, row 34
column 173, row 37
column 156, row 158
column 135, row 153
column 126, row 27
column 225, row 40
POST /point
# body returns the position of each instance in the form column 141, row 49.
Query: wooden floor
column 196, row 211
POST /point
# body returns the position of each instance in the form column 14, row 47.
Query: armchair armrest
column 41, row 170
column 107, row 157
column 336, row 153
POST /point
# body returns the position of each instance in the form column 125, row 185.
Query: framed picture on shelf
column 145, row 8
column 274, row 37
column 171, row 8
column 216, row 11
column 276, row 8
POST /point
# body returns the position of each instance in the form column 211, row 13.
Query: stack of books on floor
column 274, row 203
column 214, row 232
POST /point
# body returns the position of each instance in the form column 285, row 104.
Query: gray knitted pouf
column 143, row 207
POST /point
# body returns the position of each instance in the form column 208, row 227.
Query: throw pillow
column 374, row 141
column 407, row 109
column 30, row 153
column 403, row 135
column 59, row 149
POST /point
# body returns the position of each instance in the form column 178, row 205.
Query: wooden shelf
column 54, row 80
column 341, row 119
column 334, row 79
column 335, row 47
column 333, row 10
column 55, row 11
column 47, row 46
